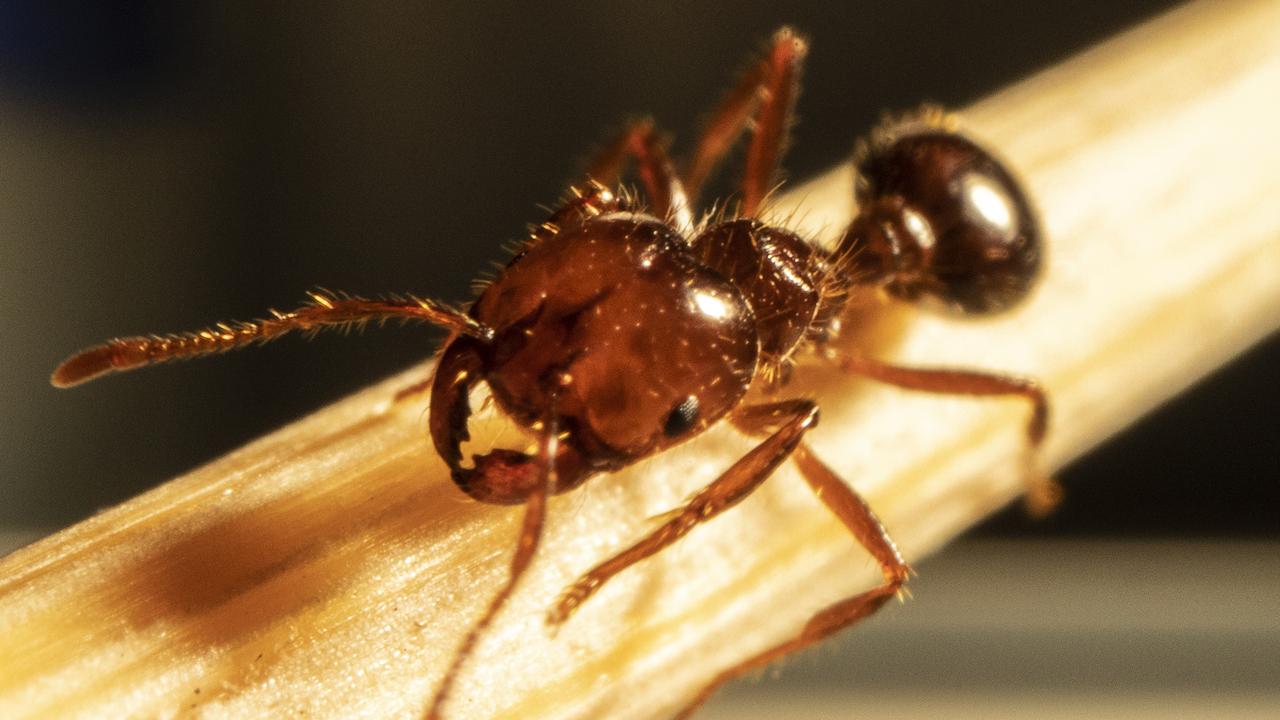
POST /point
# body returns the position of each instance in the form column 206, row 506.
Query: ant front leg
column 535, row 515
column 412, row 391
column 857, row 516
column 767, row 91
column 733, row 486
column 641, row 141
column 1042, row 492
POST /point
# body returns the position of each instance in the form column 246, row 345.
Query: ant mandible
column 617, row 333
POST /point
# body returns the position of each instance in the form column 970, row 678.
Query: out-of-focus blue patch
column 82, row 51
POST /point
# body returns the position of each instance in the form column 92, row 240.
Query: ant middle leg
column 733, row 486
column 847, row 505
column 766, row 91
column 1042, row 492
column 641, row 141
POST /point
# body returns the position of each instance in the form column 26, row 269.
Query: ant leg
column 535, row 515
column 1043, row 493
column 324, row 311
column 405, row 393
column 857, row 516
column 591, row 201
column 766, row 90
column 773, row 119
column 734, row 485
column 640, row 141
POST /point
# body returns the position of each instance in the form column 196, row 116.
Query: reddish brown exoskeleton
column 617, row 332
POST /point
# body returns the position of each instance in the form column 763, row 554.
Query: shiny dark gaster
column 620, row 330
column 942, row 219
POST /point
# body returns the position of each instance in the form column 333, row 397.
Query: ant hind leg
column 1042, row 492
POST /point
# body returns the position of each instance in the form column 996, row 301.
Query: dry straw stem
column 330, row 568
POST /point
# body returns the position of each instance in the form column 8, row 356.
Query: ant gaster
column 617, row 333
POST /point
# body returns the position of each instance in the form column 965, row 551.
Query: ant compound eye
column 682, row 418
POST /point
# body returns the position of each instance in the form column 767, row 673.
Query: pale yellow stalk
column 330, row 569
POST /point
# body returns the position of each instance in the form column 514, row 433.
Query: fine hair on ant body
column 617, row 332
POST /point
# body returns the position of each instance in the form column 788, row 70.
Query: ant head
column 940, row 218
column 612, row 331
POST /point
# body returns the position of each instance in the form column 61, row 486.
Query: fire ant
column 618, row 332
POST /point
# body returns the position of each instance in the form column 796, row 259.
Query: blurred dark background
column 167, row 165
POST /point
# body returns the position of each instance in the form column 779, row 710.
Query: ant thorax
column 795, row 291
